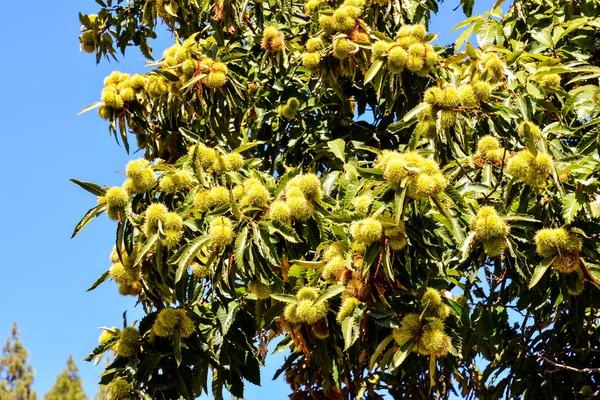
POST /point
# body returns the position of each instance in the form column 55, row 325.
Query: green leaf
column 94, row 189
column 466, row 22
column 414, row 112
column 539, row 271
column 544, row 37
column 471, row 51
column 348, row 332
column 241, row 242
column 99, row 281
column 286, row 298
column 431, row 371
column 380, row 348
column 171, row 77
column 401, row 354
column 530, row 140
column 189, row 252
column 467, row 6
column 177, row 346
column 487, row 175
column 457, row 308
column 464, row 36
column 267, row 248
column 308, row 264
column 329, row 293
column 338, row 147
column 227, row 316
column 455, row 196
column 487, row 33
column 330, row 182
column 87, row 218
column 248, row 146
column 534, row 90
column 100, row 349
column 373, row 70
column 399, row 203
column 147, row 366
column 90, row 107
column 521, row 218
column 465, row 246
column 191, row 136
column 286, row 231
column 572, row 203
column 524, row 107
column 147, row 246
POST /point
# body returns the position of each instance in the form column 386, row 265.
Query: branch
column 568, row 368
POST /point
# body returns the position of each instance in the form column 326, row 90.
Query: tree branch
column 568, row 368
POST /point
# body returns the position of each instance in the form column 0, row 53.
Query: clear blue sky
column 45, row 82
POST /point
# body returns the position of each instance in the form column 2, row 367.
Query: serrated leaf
column 286, row 298
column 466, row 22
column 487, row 33
column 467, row 6
column 329, row 293
column 572, row 203
column 147, row 366
column 454, row 195
column 330, row 182
column 523, row 106
column 457, row 308
column 87, row 218
column 338, row 147
column 147, row 246
column 466, row 244
column 521, row 217
column 373, row 70
column 188, row 254
column 308, row 264
column 539, row 271
column 263, row 239
column 463, row 37
column 191, row 136
column 348, row 332
column 193, row 81
column 99, row 281
column 529, row 140
column 399, row 202
column 227, row 316
column 471, row 52
column 543, row 37
column 380, row 348
column 286, row 231
column 241, row 242
column 413, row 113
column 177, row 346
column 401, row 354
column 248, row 146
column 90, row 107
column 100, row 349
column 534, row 90
column 94, row 189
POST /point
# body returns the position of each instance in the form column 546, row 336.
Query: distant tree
column 16, row 376
column 68, row 385
column 102, row 393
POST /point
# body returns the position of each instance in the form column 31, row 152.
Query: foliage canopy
column 404, row 218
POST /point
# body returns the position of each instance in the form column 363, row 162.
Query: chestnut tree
column 323, row 179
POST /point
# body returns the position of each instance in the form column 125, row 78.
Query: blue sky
column 46, row 81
